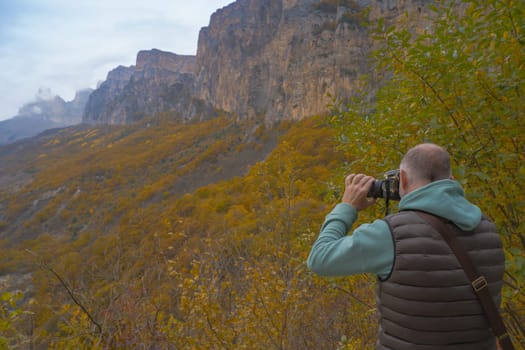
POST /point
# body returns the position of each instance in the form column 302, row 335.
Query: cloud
column 69, row 45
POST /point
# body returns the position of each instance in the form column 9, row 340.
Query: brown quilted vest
column 427, row 302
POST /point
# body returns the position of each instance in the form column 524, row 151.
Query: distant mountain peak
column 44, row 94
column 47, row 111
column 158, row 82
column 165, row 60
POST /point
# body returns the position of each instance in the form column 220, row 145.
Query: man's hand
column 356, row 189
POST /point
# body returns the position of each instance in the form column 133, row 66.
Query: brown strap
column 479, row 283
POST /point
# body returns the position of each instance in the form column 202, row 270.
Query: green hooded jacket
column 370, row 248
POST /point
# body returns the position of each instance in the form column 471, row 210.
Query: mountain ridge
column 44, row 113
column 277, row 59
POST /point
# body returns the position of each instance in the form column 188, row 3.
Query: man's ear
column 403, row 180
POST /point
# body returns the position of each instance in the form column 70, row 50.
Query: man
column 425, row 301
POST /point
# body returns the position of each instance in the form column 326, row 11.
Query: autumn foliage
column 160, row 235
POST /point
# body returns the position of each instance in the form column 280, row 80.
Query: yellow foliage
column 194, row 270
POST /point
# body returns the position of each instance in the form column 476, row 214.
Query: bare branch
column 69, row 291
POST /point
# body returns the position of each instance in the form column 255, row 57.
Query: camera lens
column 376, row 190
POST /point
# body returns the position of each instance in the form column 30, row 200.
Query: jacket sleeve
column 370, row 248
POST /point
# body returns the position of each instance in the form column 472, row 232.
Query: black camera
column 387, row 188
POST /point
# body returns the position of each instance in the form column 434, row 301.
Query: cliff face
column 280, row 58
column 160, row 81
column 276, row 59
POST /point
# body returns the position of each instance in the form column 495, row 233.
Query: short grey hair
column 427, row 162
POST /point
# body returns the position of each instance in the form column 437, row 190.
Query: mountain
column 160, row 81
column 45, row 113
column 275, row 59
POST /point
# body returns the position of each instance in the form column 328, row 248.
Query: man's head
column 423, row 164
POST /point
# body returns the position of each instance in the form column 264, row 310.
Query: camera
column 387, row 188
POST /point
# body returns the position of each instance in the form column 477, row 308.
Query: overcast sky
column 68, row 45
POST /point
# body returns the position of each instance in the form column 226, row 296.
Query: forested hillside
column 128, row 247
column 166, row 236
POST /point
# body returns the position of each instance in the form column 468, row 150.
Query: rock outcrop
column 160, row 81
column 274, row 59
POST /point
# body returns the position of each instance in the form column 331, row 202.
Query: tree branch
column 45, row 266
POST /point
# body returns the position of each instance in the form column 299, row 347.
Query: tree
column 460, row 84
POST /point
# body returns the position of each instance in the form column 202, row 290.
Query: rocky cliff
column 159, row 81
column 274, row 59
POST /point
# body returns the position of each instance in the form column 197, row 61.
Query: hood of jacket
column 444, row 198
